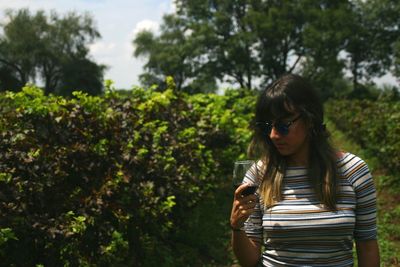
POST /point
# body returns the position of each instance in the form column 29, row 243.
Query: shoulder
column 352, row 167
column 347, row 160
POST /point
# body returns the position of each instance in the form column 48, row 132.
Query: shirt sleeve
column 253, row 225
column 363, row 184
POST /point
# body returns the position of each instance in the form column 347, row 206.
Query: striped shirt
column 299, row 231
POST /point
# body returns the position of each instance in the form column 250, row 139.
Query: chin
column 285, row 153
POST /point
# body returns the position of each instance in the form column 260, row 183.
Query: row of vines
column 115, row 180
column 374, row 125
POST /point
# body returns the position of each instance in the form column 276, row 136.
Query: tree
column 44, row 47
column 80, row 74
column 8, row 78
column 224, row 35
column 242, row 42
column 396, row 69
column 251, row 42
column 371, row 47
column 324, row 38
column 20, row 43
column 279, row 28
column 221, row 39
column 173, row 53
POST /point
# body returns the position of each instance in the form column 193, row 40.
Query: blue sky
column 117, row 21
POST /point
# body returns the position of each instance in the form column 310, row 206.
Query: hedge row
column 373, row 125
column 108, row 181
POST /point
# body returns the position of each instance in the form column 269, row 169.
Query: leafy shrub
column 111, row 180
column 373, row 125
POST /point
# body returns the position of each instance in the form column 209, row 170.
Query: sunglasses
column 281, row 127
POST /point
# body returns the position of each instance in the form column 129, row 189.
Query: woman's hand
column 243, row 207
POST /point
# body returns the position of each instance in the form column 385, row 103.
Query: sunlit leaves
column 107, row 179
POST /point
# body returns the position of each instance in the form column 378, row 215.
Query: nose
column 274, row 134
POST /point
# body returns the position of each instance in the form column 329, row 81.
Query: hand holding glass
column 239, row 171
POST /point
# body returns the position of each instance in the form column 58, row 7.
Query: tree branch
column 295, row 63
column 12, row 65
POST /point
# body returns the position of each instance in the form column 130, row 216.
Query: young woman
column 312, row 201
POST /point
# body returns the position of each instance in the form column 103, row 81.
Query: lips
column 279, row 146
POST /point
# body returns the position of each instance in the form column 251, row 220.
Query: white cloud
column 4, row 20
column 148, row 25
column 167, row 7
column 102, row 48
column 172, row 7
column 387, row 79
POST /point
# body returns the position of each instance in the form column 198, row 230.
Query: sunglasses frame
column 281, row 128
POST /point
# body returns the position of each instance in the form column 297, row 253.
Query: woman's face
column 292, row 143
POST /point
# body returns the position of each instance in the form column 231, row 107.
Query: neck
column 300, row 158
column 297, row 162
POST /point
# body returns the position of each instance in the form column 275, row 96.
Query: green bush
column 373, row 125
column 112, row 180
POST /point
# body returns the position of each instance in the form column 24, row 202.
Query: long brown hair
column 287, row 95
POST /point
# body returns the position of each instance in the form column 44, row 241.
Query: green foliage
column 111, row 180
column 372, row 92
column 249, row 43
column 389, row 235
column 174, row 53
column 373, row 125
column 51, row 47
column 6, row 234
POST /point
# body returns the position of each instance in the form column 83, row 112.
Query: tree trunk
column 355, row 74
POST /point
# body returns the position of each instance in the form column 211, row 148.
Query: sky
column 117, row 21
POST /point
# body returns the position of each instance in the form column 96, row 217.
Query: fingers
column 246, row 209
column 248, row 205
column 243, row 207
column 240, row 215
column 240, row 190
column 245, row 213
column 244, row 200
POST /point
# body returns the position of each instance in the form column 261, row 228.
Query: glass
column 281, row 127
column 240, row 170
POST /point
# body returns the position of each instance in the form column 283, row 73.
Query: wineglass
column 240, row 170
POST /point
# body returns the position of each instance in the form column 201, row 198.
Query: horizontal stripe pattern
column 299, row 231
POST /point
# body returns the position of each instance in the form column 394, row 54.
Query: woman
column 312, row 201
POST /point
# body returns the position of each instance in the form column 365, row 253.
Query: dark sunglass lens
column 268, row 128
column 264, row 127
column 283, row 129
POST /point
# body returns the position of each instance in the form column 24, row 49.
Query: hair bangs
column 275, row 107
